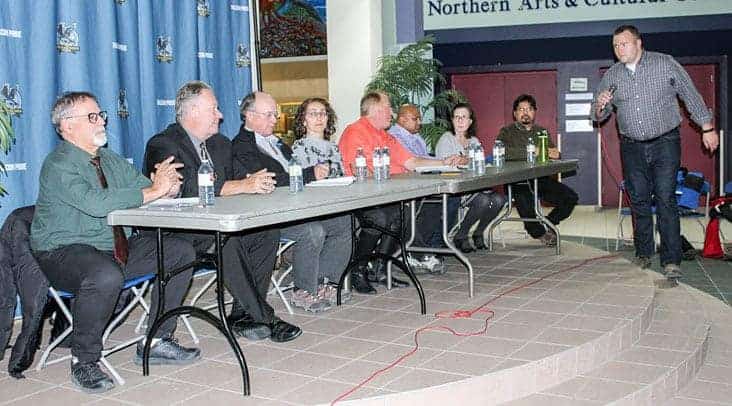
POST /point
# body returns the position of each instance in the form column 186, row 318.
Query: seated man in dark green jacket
column 515, row 136
column 80, row 184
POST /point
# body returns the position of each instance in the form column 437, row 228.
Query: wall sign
column 454, row 14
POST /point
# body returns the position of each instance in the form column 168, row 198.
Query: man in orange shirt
column 369, row 132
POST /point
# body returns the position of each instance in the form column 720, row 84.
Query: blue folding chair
column 138, row 286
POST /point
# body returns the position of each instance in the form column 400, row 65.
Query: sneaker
column 642, row 262
column 433, row 264
column 671, row 271
column 90, row 378
column 303, row 299
column 329, row 292
column 549, row 238
column 167, row 351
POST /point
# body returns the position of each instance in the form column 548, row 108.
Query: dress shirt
column 72, row 205
column 646, row 101
column 413, row 142
column 270, row 147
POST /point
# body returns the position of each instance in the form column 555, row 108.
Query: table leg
column 219, row 323
column 540, row 215
column 450, row 250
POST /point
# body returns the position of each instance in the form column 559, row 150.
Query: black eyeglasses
column 93, row 117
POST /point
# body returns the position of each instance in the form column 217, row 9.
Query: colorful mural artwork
column 291, row 28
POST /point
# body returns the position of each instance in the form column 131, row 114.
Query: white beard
column 100, row 139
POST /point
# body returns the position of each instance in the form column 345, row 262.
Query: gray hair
column 66, row 102
column 186, row 94
column 371, row 99
column 247, row 103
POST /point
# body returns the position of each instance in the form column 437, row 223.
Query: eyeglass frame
column 92, row 117
column 269, row 114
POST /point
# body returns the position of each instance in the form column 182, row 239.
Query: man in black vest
column 248, row 257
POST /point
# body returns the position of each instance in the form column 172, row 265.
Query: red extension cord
column 462, row 314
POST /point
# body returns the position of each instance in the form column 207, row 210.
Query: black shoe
column 245, row 326
column 395, row 283
column 463, row 245
column 360, row 283
column 479, row 243
column 283, row 331
column 90, row 378
column 167, row 351
column 251, row 330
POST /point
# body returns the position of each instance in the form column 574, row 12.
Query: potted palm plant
column 7, row 137
column 411, row 76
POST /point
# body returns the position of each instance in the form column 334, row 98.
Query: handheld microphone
column 612, row 89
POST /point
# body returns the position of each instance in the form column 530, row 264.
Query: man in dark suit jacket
column 323, row 247
column 248, row 257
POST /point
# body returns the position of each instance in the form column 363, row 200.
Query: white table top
column 242, row 212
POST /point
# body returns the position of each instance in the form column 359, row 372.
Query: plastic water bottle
column 386, row 162
column 295, row 170
column 479, row 157
column 205, row 181
column 498, row 154
column 531, row 151
column 378, row 165
column 471, row 158
column 361, row 169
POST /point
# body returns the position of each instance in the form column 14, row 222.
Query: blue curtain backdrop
column 133, row 54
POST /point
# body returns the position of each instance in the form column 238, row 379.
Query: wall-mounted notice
column 454, row 14
column 578, row 126
column 578, row 84
column 577, row 109
column 578, row 96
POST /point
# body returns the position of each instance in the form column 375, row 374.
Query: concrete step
column 663, row 362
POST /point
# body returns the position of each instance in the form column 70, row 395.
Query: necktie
column 120, row 240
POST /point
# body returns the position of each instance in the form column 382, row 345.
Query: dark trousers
column 96, row 279
column 482, row 208
column 650, row 170
column 370, row 240
column 561, row 196
column 248, row 264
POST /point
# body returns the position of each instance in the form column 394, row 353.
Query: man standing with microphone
column 643, row 87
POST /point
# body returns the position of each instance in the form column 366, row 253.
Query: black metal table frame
column 219, row 323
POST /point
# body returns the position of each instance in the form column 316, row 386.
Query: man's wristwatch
column 708, row 130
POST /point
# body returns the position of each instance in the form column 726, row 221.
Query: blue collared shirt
column 412, row 142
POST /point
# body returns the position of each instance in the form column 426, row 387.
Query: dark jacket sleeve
column 248, row 159
column 30, row 283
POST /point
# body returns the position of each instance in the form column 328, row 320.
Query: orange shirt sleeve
column 348, row 144
column 398, row 155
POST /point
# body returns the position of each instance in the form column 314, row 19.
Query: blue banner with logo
column 132, row 54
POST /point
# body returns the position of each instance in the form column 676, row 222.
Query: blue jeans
column 650, row 170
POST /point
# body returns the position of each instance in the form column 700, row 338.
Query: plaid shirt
column 645, row 101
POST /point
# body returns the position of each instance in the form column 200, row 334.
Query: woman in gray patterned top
column 314, row 124
column 483, row 206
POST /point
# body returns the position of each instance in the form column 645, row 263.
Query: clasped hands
column 166, row 178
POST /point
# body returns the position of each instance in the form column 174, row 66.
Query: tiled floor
column 531, row 328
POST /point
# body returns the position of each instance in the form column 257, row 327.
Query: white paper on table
column 577, row 109
column 342, row 181
column 172, row 203
column 437, row 169
column 579, row 126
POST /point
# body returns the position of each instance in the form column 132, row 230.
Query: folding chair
column 277, row 278
column 688, row 202
column 138, row 286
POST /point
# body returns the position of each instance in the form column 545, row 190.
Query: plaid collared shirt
column 645, row 100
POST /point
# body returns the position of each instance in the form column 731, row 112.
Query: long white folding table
column 242, row 213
